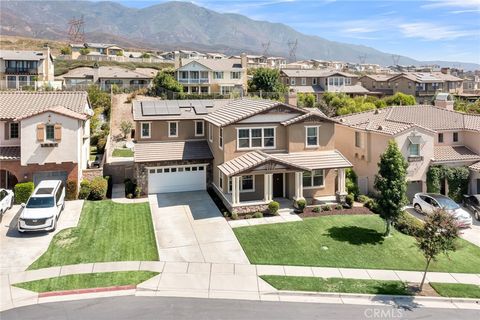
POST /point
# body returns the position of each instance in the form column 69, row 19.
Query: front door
column 278, row 185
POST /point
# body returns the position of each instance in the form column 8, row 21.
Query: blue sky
column 424, row 30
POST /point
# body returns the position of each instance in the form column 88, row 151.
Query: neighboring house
column 212, row 76
column 25, row 68
column 377, row 83
column 427, row 135
column 103, row 49
column 43, row 135
column 248, row 151
column 183, row 54
column 105, row 77
column 319, row 81
column 471, row 85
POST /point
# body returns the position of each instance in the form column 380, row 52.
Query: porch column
column 298, row 185
column 341, row 192
column 235, row 190
column 268, row 187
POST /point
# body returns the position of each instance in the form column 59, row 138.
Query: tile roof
column 453, row 153
column 380, row 77
column 313, row 113
column 356, row 88
column 172, row 150
column 475, row 166
column 110, row 72
column 22, row 55
column 216, row 64
column 320, row 73
column 428, row 77
column 9, row 153
column 307, row 89
column 16, row 104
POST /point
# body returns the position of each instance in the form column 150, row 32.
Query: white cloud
column 430, row 31
column 473, row 4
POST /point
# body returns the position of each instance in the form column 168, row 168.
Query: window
column 440, row 138
column 220, row 138
column 247, row 183
column 199, row 128
column 311, row 136
column 304, row 81
column 414, row 150
column 13, row 130
column 210, row 132
column 50, row 132
column 455, row 137
column 218, row 75
column 313, row 179
column 220, row 179
column 314, row 81
column 235, row 75
column 358, row 139
column 145, row 129
column 348, row 81
column 226, row 89
column 173, row 129
column 292, row 81
column 255, row 138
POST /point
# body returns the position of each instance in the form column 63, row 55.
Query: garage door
column 412, row 188
column 177, row 178
column 49, row 175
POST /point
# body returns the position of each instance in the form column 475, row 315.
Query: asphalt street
column 141, row 308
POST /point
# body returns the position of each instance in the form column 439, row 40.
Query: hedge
column 23, row 191
column 408, row 224
column 71, row 190
column 98, row 188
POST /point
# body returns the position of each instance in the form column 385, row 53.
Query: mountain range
column 181, row 25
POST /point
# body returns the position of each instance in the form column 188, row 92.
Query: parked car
column 43, row 208
column 6, row 200
column 428, row 202
column 472, row 203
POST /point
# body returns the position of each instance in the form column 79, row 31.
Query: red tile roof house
column 248, row 151
column 427, row 135
column 43, row 135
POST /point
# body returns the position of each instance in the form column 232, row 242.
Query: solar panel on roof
column 161, row 109
column 148, row 108
column 173, row 110
column 185, row 103
column 200, row 109
column 173, row 103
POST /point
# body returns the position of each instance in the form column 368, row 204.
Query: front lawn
column 107, row 231
column 87, row 281
column 346, row 241
column 457, row 290
column 122, row 153
column 337, row 285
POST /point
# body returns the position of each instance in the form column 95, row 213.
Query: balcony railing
column 193, row 81
column 21, row 71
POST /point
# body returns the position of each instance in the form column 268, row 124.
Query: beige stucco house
column 427, row 135
column 248, row 151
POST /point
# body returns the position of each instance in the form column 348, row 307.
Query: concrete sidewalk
column 118, row 195
column 284, row 215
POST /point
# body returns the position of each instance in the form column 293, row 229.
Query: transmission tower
column 76, row 30
column 362, row 58
column 266, row 47
column 395, row 59
column 292, row 46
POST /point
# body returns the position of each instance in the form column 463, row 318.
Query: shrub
column 71, row 190
column 408, row 224
column 327, row 207
column 317, row 209
column 339, row 207
column 301, row 204
column 23, row 191
column 248, row 216
column 273, row 207
column 258, row 214
column 84, row 190
column 130, row 186
column 363, row 198
column 349, row 200
column 98, row 188
column 351, row 182
column 138, row 192
column 129, row 196
column 101, row 145
column 94, row 139
column 234, row 216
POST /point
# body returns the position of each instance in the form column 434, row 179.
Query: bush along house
column 43, row 135
column 248, row 151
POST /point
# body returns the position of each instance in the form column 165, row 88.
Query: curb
column 82, row 291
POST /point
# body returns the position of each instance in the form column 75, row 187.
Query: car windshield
column 40, row 202
column 447, row 204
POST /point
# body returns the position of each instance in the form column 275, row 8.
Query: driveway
column 190, row 228
column 18, row 251
column 470, row 234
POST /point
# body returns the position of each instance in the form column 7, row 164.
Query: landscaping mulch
column 427, row 291
column 308, row 212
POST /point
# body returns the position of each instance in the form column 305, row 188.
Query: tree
column 306, row 100
column 437, row 236
column 266, row 80
column 126, row 128
column 66, row 50
column 391, row 184
column 84, row 51
column 400, row 99
column 165, row 81
column 145, row 55
column 351, row 182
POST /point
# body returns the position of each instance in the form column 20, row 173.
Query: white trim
column 311, row 179
column 360, row 142
column 10, row 130
column 292, row 81
column 304, row 81
column 210, row 132
column 306, row 136
column 176, row 131
column 220, row 138
column 284, row 185
column 45, row 133
column 229, row 190
column 149, row 130
column 203, row 128
column 262, row 137
column 220, row 179
column 179, row 166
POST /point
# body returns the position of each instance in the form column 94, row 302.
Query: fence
column 30, row 85
column 116, row 58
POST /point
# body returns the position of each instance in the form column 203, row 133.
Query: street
column 186, row 308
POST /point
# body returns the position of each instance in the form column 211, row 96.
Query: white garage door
column 177, row 178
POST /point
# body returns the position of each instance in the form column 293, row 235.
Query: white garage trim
column 177, row 178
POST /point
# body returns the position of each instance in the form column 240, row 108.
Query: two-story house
column 25, row 68
column 248, row 151
column 43, row 135
column 212, row 76
column 100, row 49
column 319, row 81
column 426, row 135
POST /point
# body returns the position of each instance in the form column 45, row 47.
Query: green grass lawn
column 350, row 241
column 87, row 281
column 337, row 285
column 93, row 153
column 122, row 153
column 107, row 231
column 456, row 290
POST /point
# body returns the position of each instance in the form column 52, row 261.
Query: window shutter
column 7, row 131
column 40, row 132
column 58, row 132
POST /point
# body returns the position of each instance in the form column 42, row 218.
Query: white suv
column 43, row 207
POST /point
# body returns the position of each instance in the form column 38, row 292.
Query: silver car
column 426, row 203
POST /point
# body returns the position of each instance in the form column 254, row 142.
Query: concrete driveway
column 190, row 228
column 17, row 250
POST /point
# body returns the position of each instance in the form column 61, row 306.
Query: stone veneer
column 250, row 208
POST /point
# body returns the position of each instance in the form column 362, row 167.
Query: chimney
column 243, row 59
column 178, row 61
column 48, row 65
column 291, row 97
column 444, row 100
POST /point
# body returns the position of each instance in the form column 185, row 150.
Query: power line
column 292, row 46
column 76, row 30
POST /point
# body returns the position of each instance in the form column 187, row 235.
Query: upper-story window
column 414, row 150
column 220, row 138
column 235, row 75
column 358, row 139
column 172, row 129
column 145, row 129
column 455, row 137
column 183, row 74
column 314, row 81
column 248, row 138
column 218, row 75
column 199, row 128
column 336, row 81
column 49, row 132
column 311, row 136
column 304, row 81
column 210, row 132
column 14, row 130
column 440, row 138
column 292, row 81
column 348, row 81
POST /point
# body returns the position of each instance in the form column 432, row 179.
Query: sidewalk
column 284, row 215
column 118, row 195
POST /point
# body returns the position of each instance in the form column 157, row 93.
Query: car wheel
column 417, row 208
column 55, row 225
column 477, row 215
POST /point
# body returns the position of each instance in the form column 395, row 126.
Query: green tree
column 119, row 53
column 266, row 80
column 145, row 55
column 391, row 184
column 165, row 81
column 84, row 51
column 66, row 50
column 400, row 99
column 437, row 236
column 126, row 128
column 306, row 100
column 462, row 105
column 351, row 182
